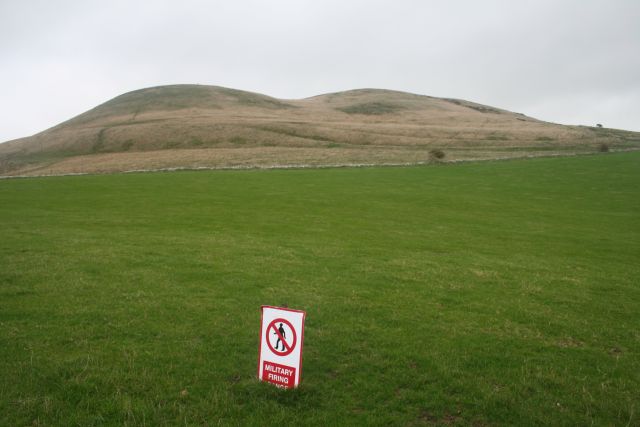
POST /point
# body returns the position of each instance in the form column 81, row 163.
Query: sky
column 570, row 62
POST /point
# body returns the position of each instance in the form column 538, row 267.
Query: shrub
column 435, row 154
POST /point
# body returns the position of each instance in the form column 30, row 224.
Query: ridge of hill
column 184, row 126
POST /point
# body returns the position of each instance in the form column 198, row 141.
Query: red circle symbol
column 272, row 329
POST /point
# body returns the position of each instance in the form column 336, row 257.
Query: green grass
column 497, row 293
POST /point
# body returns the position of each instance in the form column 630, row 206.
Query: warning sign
column 278, row 331
column 281, row 336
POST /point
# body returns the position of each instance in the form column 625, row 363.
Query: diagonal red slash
column 281, row 337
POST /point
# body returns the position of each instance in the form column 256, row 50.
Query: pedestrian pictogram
column 281, row 332
column 281, row 338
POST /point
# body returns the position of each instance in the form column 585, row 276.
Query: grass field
column 495, row 293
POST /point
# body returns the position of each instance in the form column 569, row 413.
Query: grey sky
column 573, row 62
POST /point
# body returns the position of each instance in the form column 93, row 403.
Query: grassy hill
column 481, row 294
column 209, row 126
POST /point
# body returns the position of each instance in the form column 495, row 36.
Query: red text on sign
column 280, row 375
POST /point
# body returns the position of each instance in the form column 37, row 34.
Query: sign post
column 281, row 337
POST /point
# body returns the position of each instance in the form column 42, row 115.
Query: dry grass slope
column 208, row 126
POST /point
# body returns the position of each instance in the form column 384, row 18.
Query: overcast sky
column 573, row 62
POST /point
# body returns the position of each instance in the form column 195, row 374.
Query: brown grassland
column 194, row 126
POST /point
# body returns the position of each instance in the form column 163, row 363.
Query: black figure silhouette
column 282, row 334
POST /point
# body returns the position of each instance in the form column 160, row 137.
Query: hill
column 190, row 126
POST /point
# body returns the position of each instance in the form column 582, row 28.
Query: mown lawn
column 494, row 293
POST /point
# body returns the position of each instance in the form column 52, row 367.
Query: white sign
column 281, row 336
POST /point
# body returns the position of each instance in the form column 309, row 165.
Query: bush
column 436, row 154
column 603, row 148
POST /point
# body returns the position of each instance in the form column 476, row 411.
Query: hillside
column 190, row 126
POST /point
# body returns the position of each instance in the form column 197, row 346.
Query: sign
column 281, row 336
